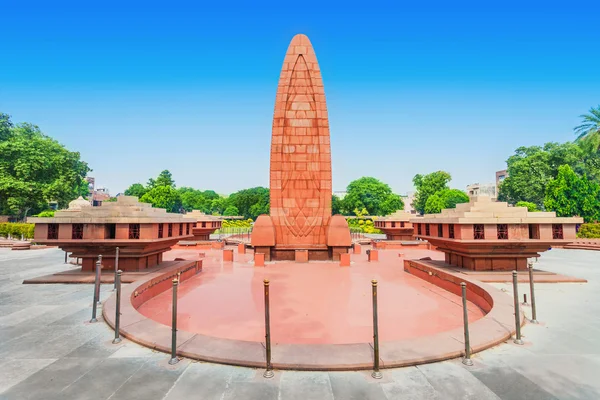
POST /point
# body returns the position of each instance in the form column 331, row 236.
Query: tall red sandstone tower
column 300, row 180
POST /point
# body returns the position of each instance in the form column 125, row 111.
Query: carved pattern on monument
column 300, row 178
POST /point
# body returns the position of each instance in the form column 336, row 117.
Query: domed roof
column 79, row 203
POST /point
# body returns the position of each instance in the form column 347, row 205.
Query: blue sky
column 412, row 87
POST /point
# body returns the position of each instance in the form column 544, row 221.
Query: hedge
column 15, row 230
column 237, row 223
column 362, row 225
column 589, row 231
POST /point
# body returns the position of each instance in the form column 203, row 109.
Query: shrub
column 531, row 207
column 46, row 214
column 589, row 231
column 16, row 230
column 362, row 225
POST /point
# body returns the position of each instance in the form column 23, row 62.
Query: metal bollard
column 525, row 300
column 269, row 371
column 96, row 293
column 518, row 339
column 118, row 308
column 174, row 359
column 116, row 266
column 467, row 360
column 66, row 257
column 99, row 274
column 376, row 373
column 532, row 295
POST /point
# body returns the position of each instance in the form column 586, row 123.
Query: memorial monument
column 300, row 225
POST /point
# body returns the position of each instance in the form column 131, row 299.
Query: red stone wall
column 122, row 231
column 41, row 232
column 65, row 231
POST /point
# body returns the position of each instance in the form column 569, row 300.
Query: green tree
column 569, row 195
column 447, row 198
column 193, row 199
column 5, row 126
column 210, row 195
column 164, row 179
column 531, row 207
column 251, row 202
column 137, row 189
column 163, row 197
column 531, row 168
column 218, row 205
column 259, row 209
column 590, row 127
column 231, row 211
column 428, row 185
column 336, row 205
column 373, row 195
column 35, row 169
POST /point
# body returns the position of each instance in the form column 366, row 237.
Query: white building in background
column 408, row 198
column 340, row 194
column 486, row 189
column 500, row 176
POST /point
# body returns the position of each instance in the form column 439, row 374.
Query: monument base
column 289, row 254
column 338, row 242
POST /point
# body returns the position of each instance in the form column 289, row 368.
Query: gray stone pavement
column 49, row 350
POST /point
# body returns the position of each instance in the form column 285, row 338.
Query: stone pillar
column 241, row 248
column 301, row 256
column 228, row 255
column 345, row 260
column 259, row 259
column 357, row 248
column 373, row 255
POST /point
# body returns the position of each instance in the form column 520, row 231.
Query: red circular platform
column 317, row 302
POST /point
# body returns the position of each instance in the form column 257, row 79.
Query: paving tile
column 564, row 376
column 251, row 391
column 61, row 345
column 215, row 380
column 100, row 346
column 48, row 382
column 24, row 344
column 509, row 384
column 454, row 382
column 408, row 384
column 355, row 386
column 152, row 381
column 14, row 371
column 305, row 386
column 130, row 349
column 104, row 380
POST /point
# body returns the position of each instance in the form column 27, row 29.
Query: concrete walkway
column 48, row 350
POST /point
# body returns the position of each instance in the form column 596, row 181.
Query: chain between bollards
column 174, row 359
column 518, row 339
column 269, row 371
column 116, row 266
column 96, row 291
column 118, row 308
column 376, row 373
column 467, row 360
column 532, row 295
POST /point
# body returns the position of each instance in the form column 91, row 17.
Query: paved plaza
column 49, row 350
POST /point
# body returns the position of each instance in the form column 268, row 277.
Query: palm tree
column 590, row 128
